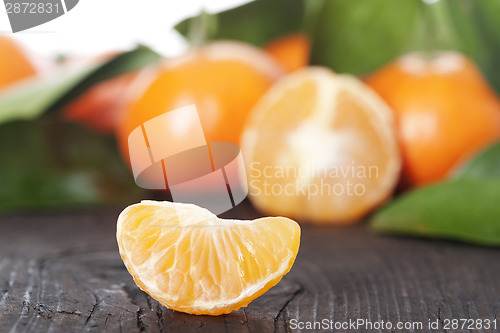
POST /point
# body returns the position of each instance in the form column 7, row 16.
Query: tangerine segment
column 320, row 147
column 191, row 261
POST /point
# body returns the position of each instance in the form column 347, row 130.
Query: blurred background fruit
column 16, row 63
column 49, row 163
column 102, row 106
column 444, row 108
column 223, row 79
column 291, row 51
column 226, row 79
column 345, row 33
column 320, row 147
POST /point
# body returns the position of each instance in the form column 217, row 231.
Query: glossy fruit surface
column 15, row 63
column 223, row 79
column 291, row 51
column 445, row 112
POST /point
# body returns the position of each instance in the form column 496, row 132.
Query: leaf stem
column 312, row 12
column 201, row 28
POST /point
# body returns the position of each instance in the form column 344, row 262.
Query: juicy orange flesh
column 350, row 120
column 284, row 116
column 204, row 261
column 352, row 117
column 318, row 137
column 290, row 111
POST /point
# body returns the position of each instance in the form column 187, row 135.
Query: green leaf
column 457, row 29
column 30, row 99
column 47, row 164
column 483, row 166
column 256, row 22
column 462, row 209
column 471, row 27
column 486, row 16
column 359, row 36
column 349, row 36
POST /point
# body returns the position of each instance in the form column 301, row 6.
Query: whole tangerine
column 445, row 112
column 15, row 62
column 223, row 79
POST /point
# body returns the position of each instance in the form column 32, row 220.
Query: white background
column 96, row 26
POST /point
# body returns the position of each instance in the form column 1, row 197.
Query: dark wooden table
column 61, row 272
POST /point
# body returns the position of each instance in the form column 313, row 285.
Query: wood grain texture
column 62, row 273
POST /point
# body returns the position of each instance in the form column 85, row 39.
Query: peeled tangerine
column 192, row 261
column 321, row 147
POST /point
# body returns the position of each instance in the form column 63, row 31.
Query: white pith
column 329, row 86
